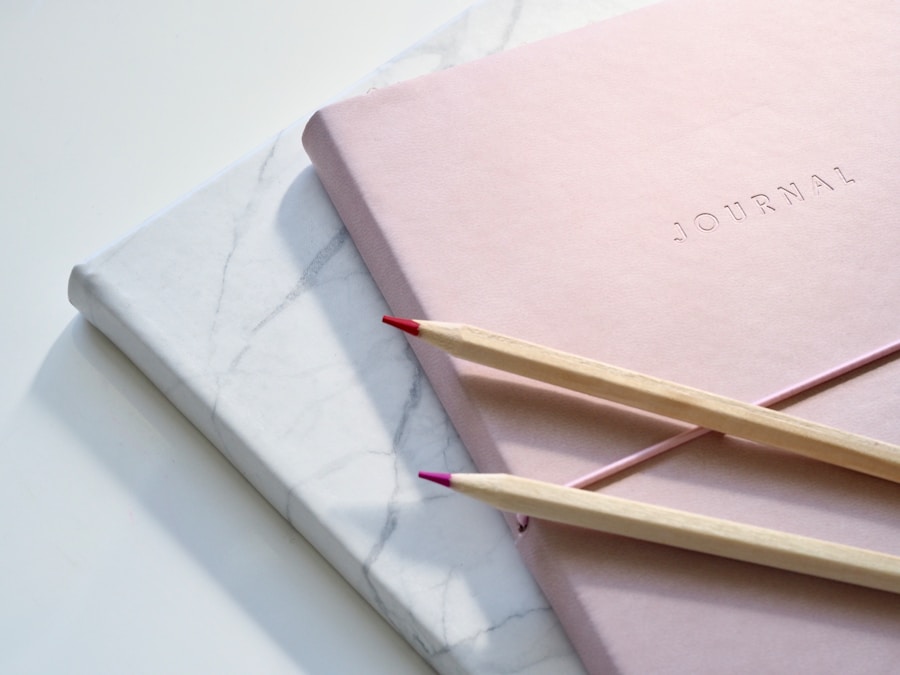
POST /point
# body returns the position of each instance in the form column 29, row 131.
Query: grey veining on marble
column 249, row 307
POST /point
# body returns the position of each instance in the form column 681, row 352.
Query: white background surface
column 127, row 543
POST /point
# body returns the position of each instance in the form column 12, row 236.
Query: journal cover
column 702, row 191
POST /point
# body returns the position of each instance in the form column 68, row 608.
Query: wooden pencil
column 680, row 529
column 652, row 394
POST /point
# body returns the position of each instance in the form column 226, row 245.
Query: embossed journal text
column 761, row 204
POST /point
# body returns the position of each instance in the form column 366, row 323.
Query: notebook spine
column 339, row 179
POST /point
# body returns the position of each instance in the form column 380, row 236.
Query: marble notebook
column 700, row 191
column 247, row 304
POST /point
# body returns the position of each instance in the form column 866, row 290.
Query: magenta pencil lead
column 408, row 325
column 439, row 478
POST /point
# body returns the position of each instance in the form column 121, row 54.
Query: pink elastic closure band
column 696, row 432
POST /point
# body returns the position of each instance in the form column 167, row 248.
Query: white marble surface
column 245, row 303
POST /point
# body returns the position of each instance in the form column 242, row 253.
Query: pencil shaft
column 712, row 411
column 684, row 530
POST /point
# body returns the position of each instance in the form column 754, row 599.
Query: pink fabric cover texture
column 702, row 191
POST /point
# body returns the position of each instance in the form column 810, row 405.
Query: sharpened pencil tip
column 439, row 478
column 408, row 325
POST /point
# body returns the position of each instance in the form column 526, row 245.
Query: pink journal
column 707, row 192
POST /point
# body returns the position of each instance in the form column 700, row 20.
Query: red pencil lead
column 439, row 478
column 408, row 325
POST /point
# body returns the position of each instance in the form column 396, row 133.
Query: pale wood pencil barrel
column 684, row 530
column 719, row 413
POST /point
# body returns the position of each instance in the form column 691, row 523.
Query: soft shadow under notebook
column 702, row 191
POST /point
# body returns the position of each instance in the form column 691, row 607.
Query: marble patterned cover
column 247, row 304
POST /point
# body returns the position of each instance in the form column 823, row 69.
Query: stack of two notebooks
column 700, row 191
